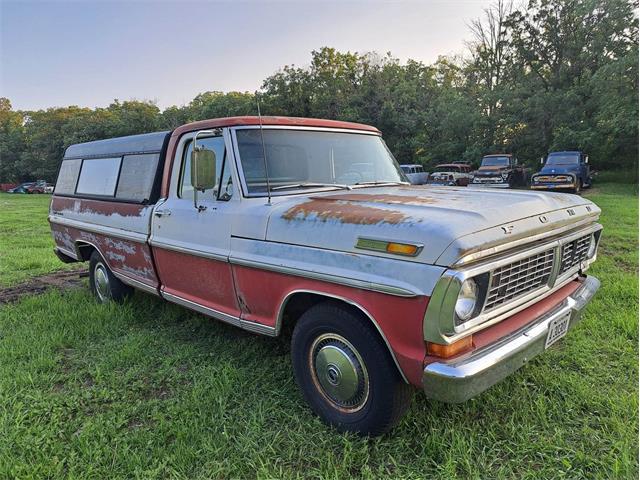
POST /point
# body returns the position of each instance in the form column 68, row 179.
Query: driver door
column 190, row 241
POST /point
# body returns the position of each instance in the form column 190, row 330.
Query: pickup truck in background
column 563, row 171
column 309, row 228
column 501, row 170
column 415, row 174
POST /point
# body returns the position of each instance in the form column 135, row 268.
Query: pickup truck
column 563, row 171
column 309, row 228
column 500, row 171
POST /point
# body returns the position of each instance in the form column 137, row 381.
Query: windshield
column 564, row 159
column 495, row 162
column 302, row 158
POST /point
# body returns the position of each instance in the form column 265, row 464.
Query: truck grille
column 519, row 278
column 574, row 252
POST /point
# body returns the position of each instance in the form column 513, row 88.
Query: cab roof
column 269, row 121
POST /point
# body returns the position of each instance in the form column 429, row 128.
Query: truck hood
column 558, row 169
column 449, row 222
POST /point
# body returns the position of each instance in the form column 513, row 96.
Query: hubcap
column 101, row 280
column 339, row 372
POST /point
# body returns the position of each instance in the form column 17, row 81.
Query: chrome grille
column 574, row 252
column 519, row 278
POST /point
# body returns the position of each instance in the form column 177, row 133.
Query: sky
column 88, row 53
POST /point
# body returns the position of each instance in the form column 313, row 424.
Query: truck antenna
column 264, row 152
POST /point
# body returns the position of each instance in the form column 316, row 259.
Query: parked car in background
column 307, row 226
column 500, row 170
column 567, row 170
column 415, row 174
column 458, row 174
column 22, row 188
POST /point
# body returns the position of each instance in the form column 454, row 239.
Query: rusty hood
column 448, row 222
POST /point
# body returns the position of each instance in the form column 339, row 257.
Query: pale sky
column 87, row 53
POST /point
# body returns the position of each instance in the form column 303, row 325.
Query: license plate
column 558, row 328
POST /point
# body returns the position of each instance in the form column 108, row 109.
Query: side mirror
column 586, row 159
column 541, row 160
column 203, row 169
column 515, row 161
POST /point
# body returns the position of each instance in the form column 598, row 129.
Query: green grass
column 151, row 390
column 26, row 245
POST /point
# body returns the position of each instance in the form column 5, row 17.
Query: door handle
column 162, row 213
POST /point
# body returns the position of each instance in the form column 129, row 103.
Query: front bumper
column 459, row 379
column 489, row 184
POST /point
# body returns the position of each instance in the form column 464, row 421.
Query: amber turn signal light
column 446, row 351
column 402, row 248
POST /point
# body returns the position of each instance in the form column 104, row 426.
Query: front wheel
column 104, row 284
column 345, row 371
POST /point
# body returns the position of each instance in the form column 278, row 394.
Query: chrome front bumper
column 489, row 184
column 462, row 378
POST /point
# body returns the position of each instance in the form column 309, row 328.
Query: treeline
column 556, row 74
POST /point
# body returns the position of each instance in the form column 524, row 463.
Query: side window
column 186, row 188
column 68, row 176
column 137, row 176
column 99, row 176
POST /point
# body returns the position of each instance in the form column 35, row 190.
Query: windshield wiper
column 310, row 185
column 381, row 183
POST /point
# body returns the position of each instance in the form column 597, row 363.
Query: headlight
column 504, row 175
column 592, row 247
column 467, row 300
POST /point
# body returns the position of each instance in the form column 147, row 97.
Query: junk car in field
column 500, row 171
column 309, row 226
column 453, row 174
column 415, row 174
column 563, row 171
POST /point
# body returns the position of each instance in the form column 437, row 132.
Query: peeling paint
column 114, row 256
column 326, row 209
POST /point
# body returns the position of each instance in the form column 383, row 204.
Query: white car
column 415, row 173
column 455, row 174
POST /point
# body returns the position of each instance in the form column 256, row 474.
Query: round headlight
column 467, row 299
column 592, row 247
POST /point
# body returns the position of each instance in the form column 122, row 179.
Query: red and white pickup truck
column 280, row 225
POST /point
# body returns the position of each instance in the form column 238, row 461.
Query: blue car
column 563, row 171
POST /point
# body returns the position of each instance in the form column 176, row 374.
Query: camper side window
column 99, row 176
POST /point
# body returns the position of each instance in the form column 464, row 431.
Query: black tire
column 380, row 395
column 103, row 283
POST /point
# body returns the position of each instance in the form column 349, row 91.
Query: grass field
column 151, row 390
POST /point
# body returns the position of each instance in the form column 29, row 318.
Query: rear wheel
column 345, row 372
column 104, row 284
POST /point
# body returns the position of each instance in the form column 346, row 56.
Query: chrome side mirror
column 203, row 168
column 541, row 160
column 586, row 159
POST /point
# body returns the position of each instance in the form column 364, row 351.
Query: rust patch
column 101, row 207
column 325, row 209
column 384, row 198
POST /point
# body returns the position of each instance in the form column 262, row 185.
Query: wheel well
column 299, row 302
column 84, row 251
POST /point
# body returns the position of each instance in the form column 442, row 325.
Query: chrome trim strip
column 104, row 230
column 68, row 253
column 189, row 251
column 286, row 299
column 136, row 283
column 258, row 328
column 224, row 317
column 349, row 282
column 459, row 379
column 253, row 327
